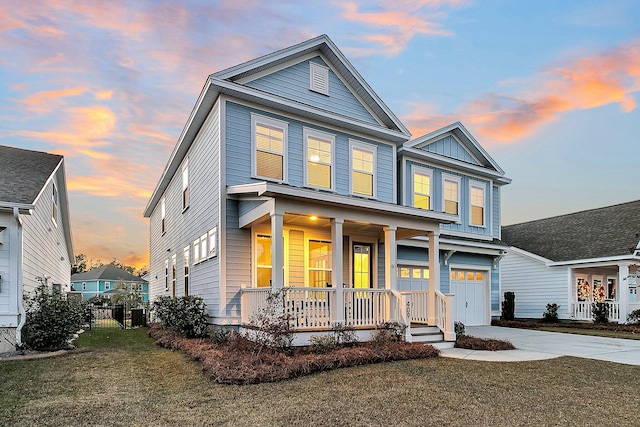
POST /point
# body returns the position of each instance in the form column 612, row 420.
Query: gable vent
column 318, row 78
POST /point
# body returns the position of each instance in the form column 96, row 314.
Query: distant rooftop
column 106, row 272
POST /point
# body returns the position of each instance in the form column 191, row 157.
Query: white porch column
column 336, row 267
column 277, row 251
column 623, row 291
column 434, row 274
column 390, row 258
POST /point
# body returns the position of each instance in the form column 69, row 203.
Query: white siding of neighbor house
column 182, row 228
column 8, row 300
column 535, row 285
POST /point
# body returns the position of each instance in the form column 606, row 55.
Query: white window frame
column 54, row 205
column 107, row 286
column 186, row 267
column 362, row 146
column 255, row 258
column 166, row 275
column 185, row 185
column 279, row 124
column 451, row 178
column 422, row 171
column 318, row 74
column 163, row 216
column 307, row 268
column 84, row 286
column 196, row 251
column 174, row 273
column 308, row 132
column 483, row 187
column 213, row 242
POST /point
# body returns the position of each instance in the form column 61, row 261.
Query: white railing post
column 449, row 327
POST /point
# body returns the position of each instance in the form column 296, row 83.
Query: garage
column 470, row 289
column 413, row 278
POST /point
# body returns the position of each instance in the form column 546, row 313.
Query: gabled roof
column 611, row 231
column 483, row 162
column 23, row 174
column 106, row 272
column 228, row 82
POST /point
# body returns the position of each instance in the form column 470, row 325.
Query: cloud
column 397, row 23
column 48, row 100
column 604, row 78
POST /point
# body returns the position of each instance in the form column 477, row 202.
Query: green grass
column 122, row 378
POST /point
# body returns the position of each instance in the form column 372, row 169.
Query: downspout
column 21, row 310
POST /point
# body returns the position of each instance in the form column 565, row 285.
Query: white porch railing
column 582, row 310
column 419, row 306
column 309, row 308
column 368, row 307
column 251, row 299
column 444, row 315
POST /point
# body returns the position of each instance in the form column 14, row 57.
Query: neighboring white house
column 574, row 260
column 35, row 233
column 295, row 144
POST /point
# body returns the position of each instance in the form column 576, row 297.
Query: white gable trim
column 422, row 156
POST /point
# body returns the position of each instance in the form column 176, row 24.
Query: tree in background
column 83, row 264
column 123, row 294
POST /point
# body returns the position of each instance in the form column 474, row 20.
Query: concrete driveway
column 538, row 345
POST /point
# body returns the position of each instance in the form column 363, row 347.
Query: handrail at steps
column 444, row 315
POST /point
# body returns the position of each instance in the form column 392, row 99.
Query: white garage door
column 470, row 288
column 413, row 278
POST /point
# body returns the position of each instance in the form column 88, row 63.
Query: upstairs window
column 163, row 212
column 451, row 195
column 54, row 205
column 166, row 274
column 477, row 199
column 318, row 78
column 269, row 147
column 185, row 260
column 213, row 242
column 422, row 188
column 319, row 159
column 363, row 161
column 185, row 186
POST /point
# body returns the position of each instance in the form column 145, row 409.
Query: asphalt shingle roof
column 596, row 233
column 23, row 173
column 106, row 272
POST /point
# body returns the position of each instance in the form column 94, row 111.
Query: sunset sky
column 549, row 88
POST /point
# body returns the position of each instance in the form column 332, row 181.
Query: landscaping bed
column 232, row 364
column 475, row 343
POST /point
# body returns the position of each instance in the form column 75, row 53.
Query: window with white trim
column 54, row 205
column 319, row 263
column 84, row 286
column 263, row 260
column 363, row 169
column 203, row 247
column 269, row 147
column 318, row 78
column 163, row 212
column 213, row 243
column 166, row 274
column 477, row 202
column 421, row 183
column 107, row 286
column 196, row 250
column 185, row 261
column 319, row 147
column 173, row 274
column 185, row 185
column 451, row 194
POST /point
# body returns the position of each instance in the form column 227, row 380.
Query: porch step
column 426, row 334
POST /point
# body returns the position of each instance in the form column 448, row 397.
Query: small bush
column 346, row 336
column 221, row 335
column 551, row 313
column 51, row 321
column 270, row 327
column 600, row 312
column 634, row 316
column 185, row 315
column 474, row 343
column 459, row 329
column 509, row 306
column 322, row 344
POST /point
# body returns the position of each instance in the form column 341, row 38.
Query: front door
column 362, row 265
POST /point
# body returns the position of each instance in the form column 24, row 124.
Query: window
column 166, row 275
column 363, row 161
column 185, row 260
column 422, row 188
column 173, row 275
column 185, row 185
column 196, row 251
column 263, row 260
column 477, row 204
column 203, row 247
column 319, row 267
column 319, row 159
column 163, row 210
column 213, row 247
column 318, row 78
column 269, row 145
column 451, row 194
column 107, row 286
column 84, row 286
column 54, row 205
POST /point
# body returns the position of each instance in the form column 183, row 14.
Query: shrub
column 186, row 316
column 221, row 335
column 270, row 327
column 551, row 313
column 474, row 343
column 346, row 336
column 600, row 312
column 322, row 344
column 509, row 306
column 459, row 329
column 51, row 321
column 634, row 316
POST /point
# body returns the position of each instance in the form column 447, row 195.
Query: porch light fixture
column 313, row 217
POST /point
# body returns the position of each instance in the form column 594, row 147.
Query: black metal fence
column 114, row 317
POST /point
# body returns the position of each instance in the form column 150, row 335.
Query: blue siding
column 412, row 253
column 381, row 270
column 450, row 147
column 248, row 206
column 293, row 83
column 238, row 151
column 237, row 259
column 496, row 211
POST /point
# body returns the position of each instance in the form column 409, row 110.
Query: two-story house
column 35, row 233
column 296, row 145
column 105, row 280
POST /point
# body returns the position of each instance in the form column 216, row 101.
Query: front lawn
column 122, row 378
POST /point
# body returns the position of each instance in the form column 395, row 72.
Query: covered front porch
column 336, row 262
column 614, row 285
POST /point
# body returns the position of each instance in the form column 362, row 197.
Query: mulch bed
column 525, row 324
column 227, row 366
column 475, row 343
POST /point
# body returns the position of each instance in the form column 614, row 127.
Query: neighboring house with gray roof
column 574, row 260
column 35, row 233
column 102, row 281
